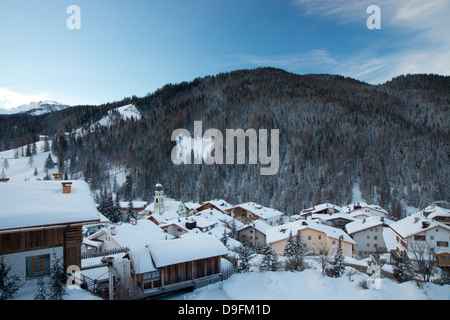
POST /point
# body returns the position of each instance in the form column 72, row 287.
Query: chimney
column 67, row 187
column 113, row 230
column 425, row 224
column 416, row 219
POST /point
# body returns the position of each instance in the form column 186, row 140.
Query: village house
column 372, row 235
column 165, row 266
column 124, row 235
column 138, row 206
column 250, row 212
column 318, row 238
column 437, row 213
column 363, row 210
column 39, row 223
column 417, row 232
column 324, row 208
column 253, row 234
column 220, row 205
column 336, row 220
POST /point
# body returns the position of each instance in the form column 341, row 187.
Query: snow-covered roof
column 259, row 210
column 414, row 224
column 362, row 205
column 135, row 236
column 142, row 261
column 434, row 211
column 41, row 203
column 282, row 232
column 218, row 203
column 170, row 252
column 334, row 216
column 259, row 225
column 136, row 204
column 364, row 224
column 321, row 207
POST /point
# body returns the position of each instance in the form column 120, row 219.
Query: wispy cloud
column 417, row 31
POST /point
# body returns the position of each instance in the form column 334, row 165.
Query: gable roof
column 258, row 210
column 320, row 207
column 134, row 236
column 414, row 224
column 364, row 224
column 34, row 204
column 282, row 232
column 434, row 211
column 259, row 225
column 170, row 252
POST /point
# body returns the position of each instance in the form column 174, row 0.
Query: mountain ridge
column 335, row 133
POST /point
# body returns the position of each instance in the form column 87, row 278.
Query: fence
column 88, row 255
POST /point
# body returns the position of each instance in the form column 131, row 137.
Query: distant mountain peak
column 36, row 108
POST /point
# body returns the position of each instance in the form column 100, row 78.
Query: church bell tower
column 159, row 199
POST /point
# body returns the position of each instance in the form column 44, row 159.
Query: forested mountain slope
column 335, row 132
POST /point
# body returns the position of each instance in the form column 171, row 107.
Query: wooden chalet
column 249, row 212
column 39, row 221
column 168, row 265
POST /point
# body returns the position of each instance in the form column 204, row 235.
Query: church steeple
column 159, row 199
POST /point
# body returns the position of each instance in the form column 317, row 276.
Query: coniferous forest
column 335, row 132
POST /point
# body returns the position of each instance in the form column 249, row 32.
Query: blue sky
column 134, row 47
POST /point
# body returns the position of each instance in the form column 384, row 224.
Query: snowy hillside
column 125, row 113
column 19, row 167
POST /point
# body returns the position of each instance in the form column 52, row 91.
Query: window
column 375, row 237
column 151, row 275
column 309, row 237
column 319, row 237
column 419, row 238
column 38, row 266
column 442, row 243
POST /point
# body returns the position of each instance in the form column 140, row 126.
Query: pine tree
column 130, row 211
column 40, row 292
column 339, row 266
column 244, row 259
column 8, row 285
column 49, row 163
column 270, row 259
column 301, row 248
column 57, row 280
column 403, row 270
column 117, row 211
column 224, row 238
column 290, row 250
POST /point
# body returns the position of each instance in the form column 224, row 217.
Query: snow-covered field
column 22, row 168
column 311, row 285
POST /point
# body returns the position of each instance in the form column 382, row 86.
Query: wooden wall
column 70, row 238
column 190, row 270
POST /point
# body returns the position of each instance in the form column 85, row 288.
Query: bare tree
column 323, row 258
column 425, row 257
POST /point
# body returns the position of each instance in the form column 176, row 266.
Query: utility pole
column 110, row 262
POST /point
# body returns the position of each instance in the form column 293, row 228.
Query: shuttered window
column 38, row 266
